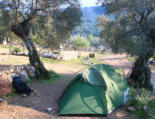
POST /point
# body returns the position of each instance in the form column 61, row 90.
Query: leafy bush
column 38, row 40
column 80, row 42
column 16, row 50
column 144, row 103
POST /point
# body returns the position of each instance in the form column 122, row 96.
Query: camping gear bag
column 20, row 86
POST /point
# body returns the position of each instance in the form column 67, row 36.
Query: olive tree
column 58, row 28
column 129, row 26
column 25, row 14
column 80, row 42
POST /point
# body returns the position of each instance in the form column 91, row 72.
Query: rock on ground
column 5, row 87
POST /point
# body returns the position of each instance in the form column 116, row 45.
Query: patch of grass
column 144, row 103
column 152, row 58
column 94, row 60
column 101, row 54
column 78, row 61
column 13, row 48
column 4, row 46
column 16, row 50
column 47, row 60
column 13, row 93
column 119, row 71
column 7, row 46
column 29, row 81
column 81, row 61
column 53, row 78
column 131, row 59
column 75, row 61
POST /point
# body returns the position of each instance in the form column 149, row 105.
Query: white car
column 46, row 54
column 56, row 55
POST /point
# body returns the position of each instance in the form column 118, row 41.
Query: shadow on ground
column 47, row 95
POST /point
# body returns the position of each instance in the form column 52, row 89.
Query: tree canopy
column 130, row 26
column 131, row 29
column 58, row 28
column 52, row 20
column 80, row 42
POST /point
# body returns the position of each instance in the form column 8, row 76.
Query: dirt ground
column 34, row 106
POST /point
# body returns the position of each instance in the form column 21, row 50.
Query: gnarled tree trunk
column 35, row 60
column 141, row 74
column 22, row 30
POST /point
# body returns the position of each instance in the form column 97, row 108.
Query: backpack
column 21, row 86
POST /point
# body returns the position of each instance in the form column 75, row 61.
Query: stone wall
column 26, row 72
column 72, row 55
column 69, row 55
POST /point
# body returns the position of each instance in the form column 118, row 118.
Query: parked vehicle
column 46, row 54
column 56, row 56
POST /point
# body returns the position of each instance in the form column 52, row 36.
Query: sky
column 86, row 3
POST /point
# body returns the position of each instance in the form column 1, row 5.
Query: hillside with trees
column 88, row 25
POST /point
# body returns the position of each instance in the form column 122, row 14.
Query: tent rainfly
column 97, row 91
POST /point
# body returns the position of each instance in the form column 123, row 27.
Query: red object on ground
column 5, row 87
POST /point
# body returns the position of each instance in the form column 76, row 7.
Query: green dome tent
column 98, row 90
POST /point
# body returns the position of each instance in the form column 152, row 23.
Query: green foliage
column 80, row 42
column 96, row 41
column 13, row 92
column 47, row 24
column 29, row 81
column 4, row 46
column 53, row 78
column 47, row 60
column 36, row 39
column 5, row 18
column 16, row 50
column 13, row 49
column 91, row 37
column 88, row 23
column 130, row 27
column 78, row 61
column 95, row 61
column 56, row 29
column 144, row 103
column 131, row 59
column 153, row 57
column 81, row 61
column 100, row 55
